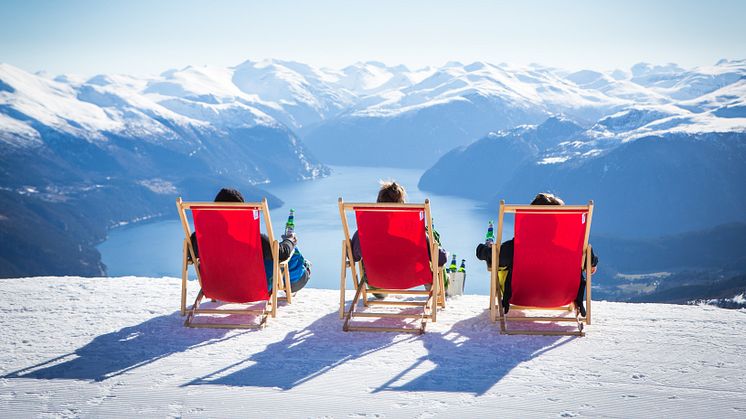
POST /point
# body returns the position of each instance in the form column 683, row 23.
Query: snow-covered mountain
column 197, row 122
column 198, row 127
column 652, row 170
column 78, row 156
column 360, row 113
column 455, row 104
column 668, row 157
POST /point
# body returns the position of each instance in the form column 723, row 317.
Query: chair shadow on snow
column 115, row 353
column 471, row 357
column 301, row 356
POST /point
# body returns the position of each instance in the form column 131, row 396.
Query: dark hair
column 392, row 192
column 547, row 199
column 229, row 195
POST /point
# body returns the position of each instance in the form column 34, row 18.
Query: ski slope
column 116, row 347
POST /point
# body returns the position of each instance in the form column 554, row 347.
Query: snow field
column 116, row 347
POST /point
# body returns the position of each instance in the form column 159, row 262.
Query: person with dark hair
column 300, row 268
column 484, row 252
column 392, row 192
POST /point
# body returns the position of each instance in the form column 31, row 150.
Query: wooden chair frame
column 280, row 273
column 435, row 297
column 496, row 309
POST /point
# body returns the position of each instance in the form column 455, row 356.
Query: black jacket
column 484, row 253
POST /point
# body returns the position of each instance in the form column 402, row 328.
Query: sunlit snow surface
column 116, row 347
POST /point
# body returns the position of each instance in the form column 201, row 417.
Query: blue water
column 154, row 248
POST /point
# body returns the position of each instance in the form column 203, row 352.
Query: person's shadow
column 301, row 356
column 115, row 353
column 471, row 357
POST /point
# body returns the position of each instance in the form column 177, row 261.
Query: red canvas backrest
column 548, row 249
column 230, row 253
column 394, row 247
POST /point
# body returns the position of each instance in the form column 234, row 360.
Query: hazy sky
column 148, row 37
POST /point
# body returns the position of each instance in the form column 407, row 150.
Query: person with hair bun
column 390, row 192
column 484, row 252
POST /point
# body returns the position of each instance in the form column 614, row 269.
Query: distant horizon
column 48, row 73
column 146, row 38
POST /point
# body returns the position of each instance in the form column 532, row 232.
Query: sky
column 148, row 37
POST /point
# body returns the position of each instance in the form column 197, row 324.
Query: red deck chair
column 393, row 240
column 550, row 249
column 230, row 267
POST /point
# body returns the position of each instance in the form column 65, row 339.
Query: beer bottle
column 490, row 237
column 290, row 225
column 453, row 266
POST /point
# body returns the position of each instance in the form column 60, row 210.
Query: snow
column 224, row 115
column 51, row 103
column 196, row 81
column 554, row 160
column 160, row 186
column 18, row 133
column 650, row 100
column 116, row 347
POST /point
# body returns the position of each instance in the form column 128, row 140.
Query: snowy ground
column 117, row 348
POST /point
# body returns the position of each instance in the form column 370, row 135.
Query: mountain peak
column 558, row 126
column 376, row 64
column 643, row 69
column 475, row 66
column 584, row 76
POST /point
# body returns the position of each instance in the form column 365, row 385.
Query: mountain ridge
column 81, row 157
column 201, row 127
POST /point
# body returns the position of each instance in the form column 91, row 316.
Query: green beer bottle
column 453, row 267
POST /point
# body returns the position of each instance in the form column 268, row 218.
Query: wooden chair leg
column 365, row 289
column 442, row 288
column 491, row 304
column 496, row 305
column 342, row 281
column 195, row 306
column 184, row 273
column 346, row 326
column 434, row 295
column 288, row 289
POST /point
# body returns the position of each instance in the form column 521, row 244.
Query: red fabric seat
column 394, row 247
column 547, row 259
column 231, row 262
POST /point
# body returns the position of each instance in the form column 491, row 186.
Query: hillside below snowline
column 115, row 347
column 657, row 184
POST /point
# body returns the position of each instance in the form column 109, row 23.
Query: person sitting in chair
column 484, row 252
column 299, row 267
column 394, row 193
